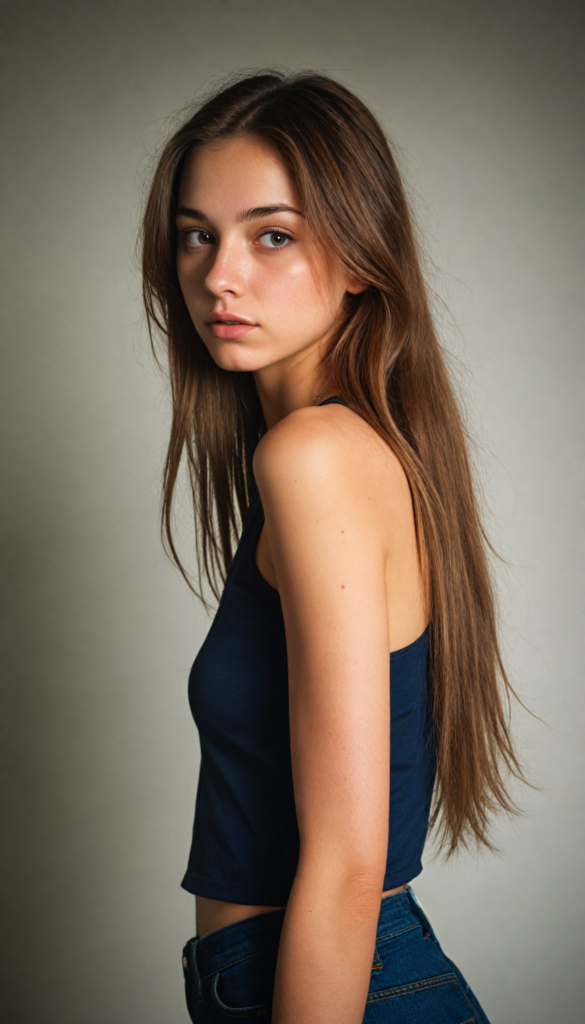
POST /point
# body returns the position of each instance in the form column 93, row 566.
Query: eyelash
column 193, row 231
column 267, row 231
column 276, row 231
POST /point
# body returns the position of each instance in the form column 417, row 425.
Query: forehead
column 238, row 174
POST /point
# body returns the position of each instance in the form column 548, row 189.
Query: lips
column 228, row 317
column 228, row 325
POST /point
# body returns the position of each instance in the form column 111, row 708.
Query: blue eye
column 276, row 239
column 197, row 237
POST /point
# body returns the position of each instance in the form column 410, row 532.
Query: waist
column 224, row 946
column 215, row 915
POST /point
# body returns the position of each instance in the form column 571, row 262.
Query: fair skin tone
column 338, row 543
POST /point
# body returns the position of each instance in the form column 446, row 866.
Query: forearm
column 327, row 948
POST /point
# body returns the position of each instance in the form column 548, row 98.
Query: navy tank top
column 245, row 845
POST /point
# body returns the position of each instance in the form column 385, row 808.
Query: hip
column 230, row 972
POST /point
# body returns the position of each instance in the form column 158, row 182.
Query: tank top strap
column 334, row 398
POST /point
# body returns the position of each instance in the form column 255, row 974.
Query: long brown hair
column 386, row 362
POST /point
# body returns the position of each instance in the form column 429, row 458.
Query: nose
column 226, row 273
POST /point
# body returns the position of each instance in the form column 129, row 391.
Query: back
column 245, row 840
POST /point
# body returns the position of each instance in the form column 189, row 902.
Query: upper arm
column 328, row 553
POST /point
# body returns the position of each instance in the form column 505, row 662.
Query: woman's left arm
column 329, row 550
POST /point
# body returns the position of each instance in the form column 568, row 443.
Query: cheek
column 294, row 290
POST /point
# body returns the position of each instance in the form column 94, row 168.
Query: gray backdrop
column 484, row 100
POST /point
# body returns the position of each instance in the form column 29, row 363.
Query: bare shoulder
column 339, row 513
column 331, row 451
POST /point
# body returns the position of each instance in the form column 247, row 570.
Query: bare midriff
column 214, row 914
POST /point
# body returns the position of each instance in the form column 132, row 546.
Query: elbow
column 359, row 877
column 364, row 882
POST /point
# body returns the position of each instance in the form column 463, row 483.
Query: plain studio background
column 484, row 100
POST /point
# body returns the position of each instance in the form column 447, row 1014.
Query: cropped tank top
column 245, row 845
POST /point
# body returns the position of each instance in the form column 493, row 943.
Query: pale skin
column 338, row 543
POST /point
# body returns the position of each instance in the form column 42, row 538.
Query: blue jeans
column 230, row 972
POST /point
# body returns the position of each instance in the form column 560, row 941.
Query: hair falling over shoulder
column 386, row 362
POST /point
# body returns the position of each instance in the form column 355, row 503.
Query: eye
column 197, row 237
column 275, row 239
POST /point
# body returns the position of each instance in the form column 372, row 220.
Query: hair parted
column 386, row 362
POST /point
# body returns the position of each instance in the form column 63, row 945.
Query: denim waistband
column 240, row 941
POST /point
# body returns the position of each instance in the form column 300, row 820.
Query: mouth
column 229, row 318
column 226, row 325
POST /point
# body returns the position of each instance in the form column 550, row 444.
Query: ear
column 356, row 287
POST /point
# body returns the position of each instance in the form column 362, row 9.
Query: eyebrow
column 256, row 211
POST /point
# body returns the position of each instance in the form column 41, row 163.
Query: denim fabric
column 229, row 973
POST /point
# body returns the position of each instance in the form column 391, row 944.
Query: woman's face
column 258, row 291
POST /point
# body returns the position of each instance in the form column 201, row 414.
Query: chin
column 237, row 357
column 235, row 365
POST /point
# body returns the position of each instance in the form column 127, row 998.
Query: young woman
column 352, row 671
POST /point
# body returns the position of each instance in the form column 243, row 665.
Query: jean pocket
column 245, row 989
column 259, row 1010
column 439, row 999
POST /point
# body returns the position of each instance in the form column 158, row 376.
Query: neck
column 282, row 390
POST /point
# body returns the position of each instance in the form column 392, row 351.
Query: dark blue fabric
column 230, row 972
column 245, row 837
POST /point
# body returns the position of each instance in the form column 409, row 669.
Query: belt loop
column 416, row 900
column 191, row 951
column 422, row 914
